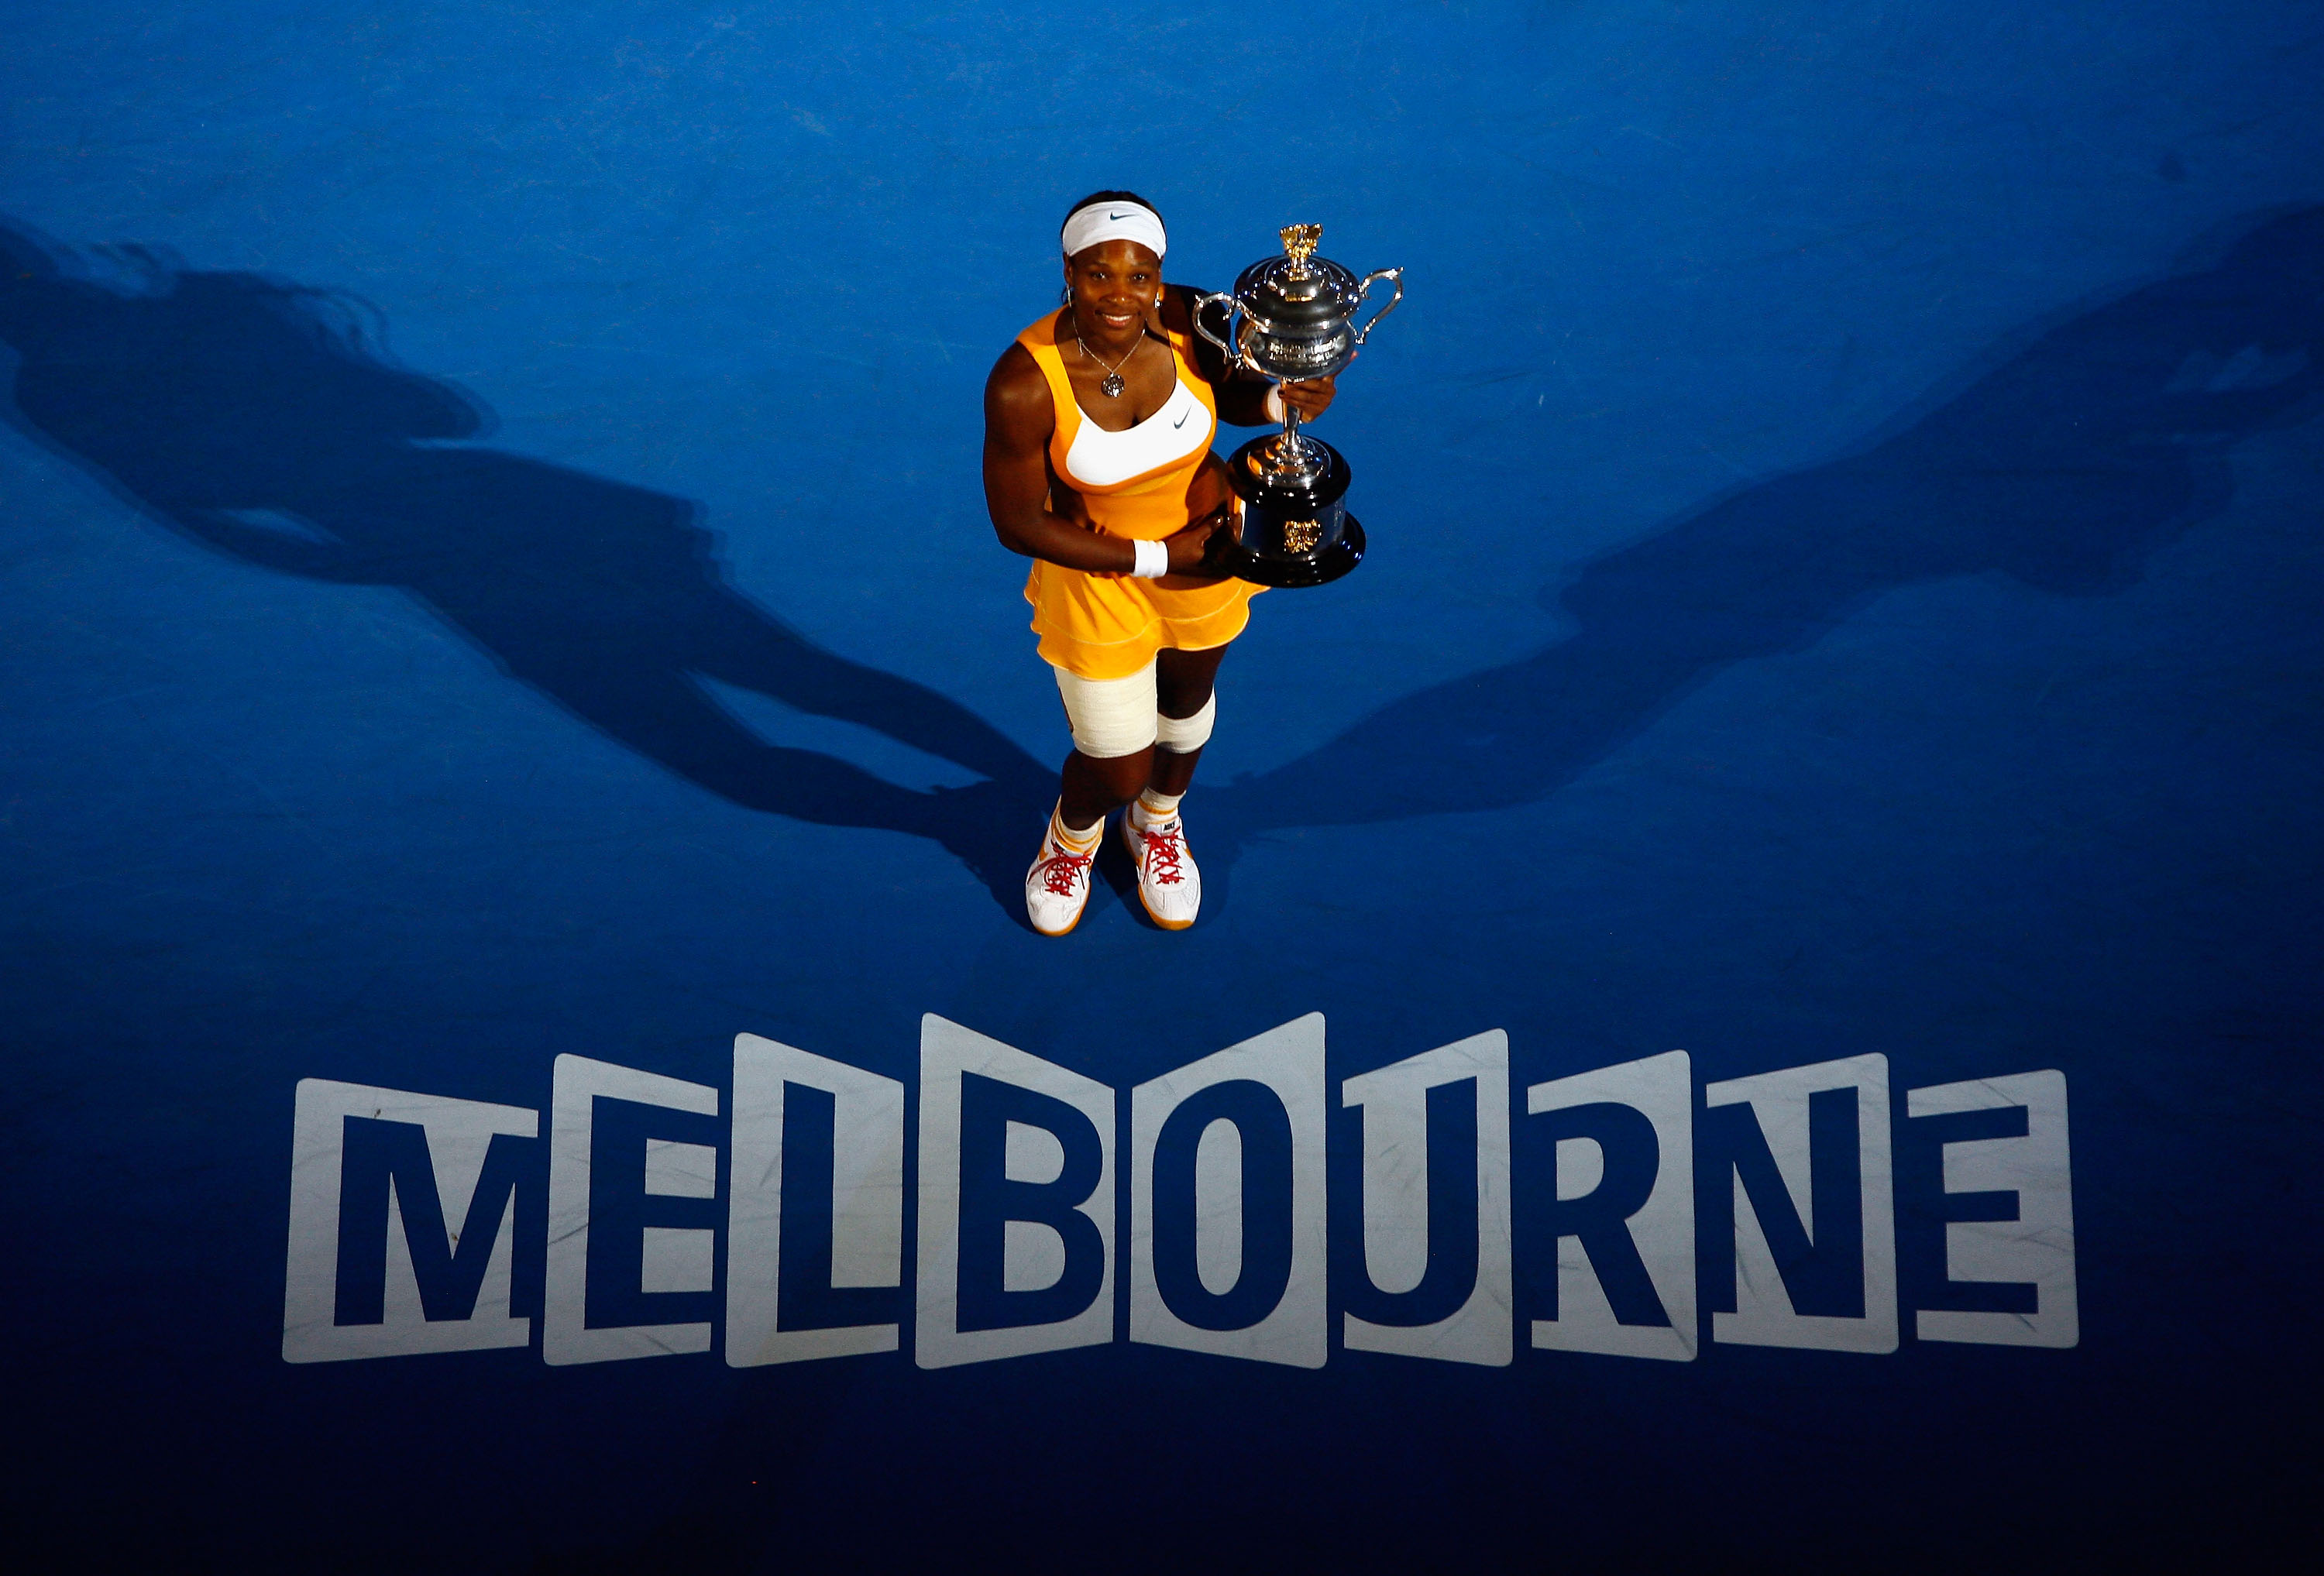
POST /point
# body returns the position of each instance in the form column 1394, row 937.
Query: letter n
column 1016, row 1218
column 1814, row 1240
column 403, row 1212
column 815, row 1218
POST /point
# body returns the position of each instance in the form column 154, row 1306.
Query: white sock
column 1151, row 807
column 1070, row 841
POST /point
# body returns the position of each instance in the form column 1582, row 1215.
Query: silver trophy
column 1290, row 318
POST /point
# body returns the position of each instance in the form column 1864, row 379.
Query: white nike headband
column 1096, row 223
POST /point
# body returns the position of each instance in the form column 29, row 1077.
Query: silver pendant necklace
column 1110, row 385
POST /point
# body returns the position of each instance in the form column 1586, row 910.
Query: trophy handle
column 1395, row 275
column 1234, row 356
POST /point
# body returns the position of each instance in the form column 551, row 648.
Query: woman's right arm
column 1018, row 422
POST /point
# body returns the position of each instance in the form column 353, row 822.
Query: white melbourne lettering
column 404, row 1209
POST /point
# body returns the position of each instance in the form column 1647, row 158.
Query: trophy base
column 1294, row 528
column 1322, row 570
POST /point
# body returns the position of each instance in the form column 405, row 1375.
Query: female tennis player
column 1098, row 466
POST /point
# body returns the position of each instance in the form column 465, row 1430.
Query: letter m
column 403, row 1212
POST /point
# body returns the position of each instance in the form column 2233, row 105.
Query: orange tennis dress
column 1143, row 483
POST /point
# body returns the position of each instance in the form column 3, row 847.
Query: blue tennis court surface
column 498, row 604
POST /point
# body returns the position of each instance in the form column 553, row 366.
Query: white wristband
column 1153, row 560
column 1275, row 404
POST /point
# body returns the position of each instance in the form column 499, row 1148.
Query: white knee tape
column 1111, row 717
column 1184, row 735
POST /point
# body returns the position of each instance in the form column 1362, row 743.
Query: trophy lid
column 1299, row 294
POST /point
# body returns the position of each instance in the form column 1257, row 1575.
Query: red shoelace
column 1163, row 851
column 1064, row 869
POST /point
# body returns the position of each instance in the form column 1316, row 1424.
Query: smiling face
column 1115, row 284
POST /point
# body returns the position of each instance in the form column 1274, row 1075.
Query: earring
column 1065, row 296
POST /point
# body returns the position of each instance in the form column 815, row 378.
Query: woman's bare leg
column 1092, row 788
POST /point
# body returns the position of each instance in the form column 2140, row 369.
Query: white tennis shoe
column 1058, row 886
column 1168, row 883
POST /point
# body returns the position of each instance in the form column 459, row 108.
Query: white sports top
column 1100, row 458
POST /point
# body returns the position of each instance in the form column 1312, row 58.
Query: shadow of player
column 253, row 417
column 2065, row 466
column 261, row 420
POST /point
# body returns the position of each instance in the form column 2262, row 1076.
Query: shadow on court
column 260, row 419
column 255, row 418
column 2065, row 466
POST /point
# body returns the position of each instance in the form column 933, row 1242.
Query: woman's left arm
column 1242, row 396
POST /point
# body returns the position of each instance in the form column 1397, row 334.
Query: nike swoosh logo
column 1180, row 422
column 1117, row 215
